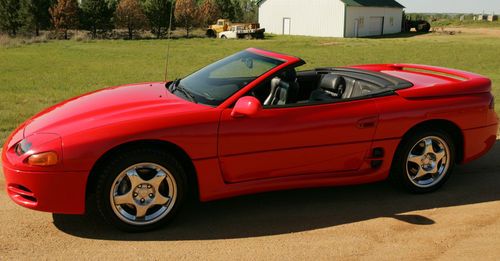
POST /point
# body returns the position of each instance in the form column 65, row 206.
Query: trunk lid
column 431, row 81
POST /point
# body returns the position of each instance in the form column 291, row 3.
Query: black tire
column 123, row 161
column 211, row 34
column 401, row 174
column 223, row 37
column 424, row 27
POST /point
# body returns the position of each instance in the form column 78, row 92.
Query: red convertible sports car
column 248, row 123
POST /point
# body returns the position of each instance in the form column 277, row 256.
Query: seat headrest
column 332, row 83
column 289, row 75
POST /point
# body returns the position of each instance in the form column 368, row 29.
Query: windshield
column 215, row 83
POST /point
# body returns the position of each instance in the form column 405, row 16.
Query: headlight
column 22, row 147
column 37, row 150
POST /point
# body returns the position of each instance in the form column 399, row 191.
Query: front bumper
column 56, row 192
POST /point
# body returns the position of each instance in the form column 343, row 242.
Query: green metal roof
column 373, row 3
column 367, row 3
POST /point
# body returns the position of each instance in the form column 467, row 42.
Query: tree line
column 99, row 16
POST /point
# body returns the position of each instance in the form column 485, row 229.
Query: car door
column 278, row 142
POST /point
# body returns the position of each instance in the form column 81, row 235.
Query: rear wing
column 461, row 82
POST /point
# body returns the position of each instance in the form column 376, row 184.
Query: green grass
column 36, row 76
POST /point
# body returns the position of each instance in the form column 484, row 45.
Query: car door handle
column 366, row 123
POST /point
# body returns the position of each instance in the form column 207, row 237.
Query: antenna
column 168, row 38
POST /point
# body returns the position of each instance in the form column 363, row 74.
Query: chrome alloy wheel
column 143, row 194
column 428, row 161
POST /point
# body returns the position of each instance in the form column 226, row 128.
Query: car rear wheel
column 424, row 161
column 140, row 190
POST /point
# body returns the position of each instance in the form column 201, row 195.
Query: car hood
column 108, row 106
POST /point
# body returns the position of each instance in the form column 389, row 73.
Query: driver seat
column 284, row 89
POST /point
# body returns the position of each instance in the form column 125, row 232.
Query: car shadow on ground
column 302, row 210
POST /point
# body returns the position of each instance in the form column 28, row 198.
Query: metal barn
column 331, row 18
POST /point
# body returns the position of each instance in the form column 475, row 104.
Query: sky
column 451, row 6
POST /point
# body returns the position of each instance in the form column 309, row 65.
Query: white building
column 331, row 18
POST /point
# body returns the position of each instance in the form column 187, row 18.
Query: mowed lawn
column 33, row 77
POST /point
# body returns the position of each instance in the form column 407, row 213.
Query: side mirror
column 246, row 107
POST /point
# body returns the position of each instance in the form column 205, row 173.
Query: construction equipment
column 224, row 28
column 420, row 26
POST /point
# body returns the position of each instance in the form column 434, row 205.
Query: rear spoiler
column 464, row 82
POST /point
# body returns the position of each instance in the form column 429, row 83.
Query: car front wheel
column 140, row 190
column 424, row 161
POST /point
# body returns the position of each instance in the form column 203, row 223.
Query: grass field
column 36, row 76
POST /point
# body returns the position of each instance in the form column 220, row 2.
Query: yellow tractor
column 225, row 29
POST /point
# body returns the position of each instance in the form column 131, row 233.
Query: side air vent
column 378, row 153
column 377, row 158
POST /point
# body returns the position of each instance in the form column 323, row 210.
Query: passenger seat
column 330, row 87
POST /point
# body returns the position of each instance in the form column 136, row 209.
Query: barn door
column 287, row 23
column 356, row 28
column 376, row 25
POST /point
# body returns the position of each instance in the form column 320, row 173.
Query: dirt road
column 461, row 221
column 492, row 32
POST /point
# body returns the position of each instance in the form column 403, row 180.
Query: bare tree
column 129, row 14
column 64, row 16
column 186, row 14
column 209, row 12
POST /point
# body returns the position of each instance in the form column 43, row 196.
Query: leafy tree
column 64, row 16
column 158, row 13
column 186, row 13
column 250, row 11
column 129, row 14
column 209, row 12
column 238, row 11
column 39, row 14
column 12, row 15
column 227, row 9
column 97, row 15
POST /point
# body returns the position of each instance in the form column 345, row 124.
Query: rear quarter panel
column 398, row 115
column 470, row 113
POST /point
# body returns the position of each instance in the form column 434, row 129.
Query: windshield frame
column 290, row 62
column 280, row 60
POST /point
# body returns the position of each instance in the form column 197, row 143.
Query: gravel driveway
column 362, row 222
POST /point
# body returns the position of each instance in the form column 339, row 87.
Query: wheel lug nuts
column 140, row 186
column 135, row 194
column 151, row 195
column 149, row 186
column 142, row 200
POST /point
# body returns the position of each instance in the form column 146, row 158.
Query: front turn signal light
column 43, row 159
